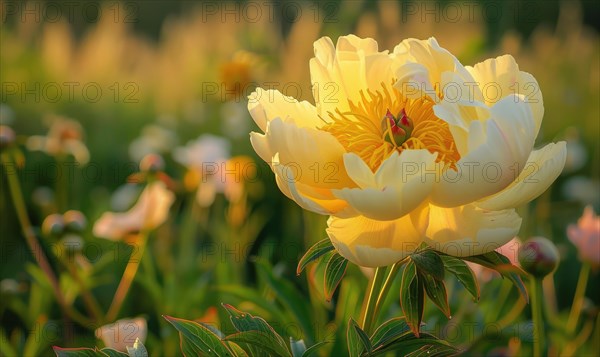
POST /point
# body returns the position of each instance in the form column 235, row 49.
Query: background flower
column 586, row 236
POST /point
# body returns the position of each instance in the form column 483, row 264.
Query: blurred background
column 125, row 79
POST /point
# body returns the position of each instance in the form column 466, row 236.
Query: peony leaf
column 358, row 341
column 312, row 349
column 463, row 273
column 412, row 297
column 436, row 290
column 334, row 272
column 246, row 322
column 439, row 350
column 113, row 353
column 429, row 261
column 502, row 265
column 388, row 331
column 261, row 340
column 313, row 253
column 199, row 336
column 78, row 352
column 411, row 345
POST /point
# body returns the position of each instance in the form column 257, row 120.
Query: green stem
column 371, row 299
column 387, row 284
column 14, row 187
column 579, row 297
column 539, row 334
column 89, row 300
column 127, row 278
column 186, row 244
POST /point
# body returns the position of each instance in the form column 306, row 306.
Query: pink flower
column 586, row 236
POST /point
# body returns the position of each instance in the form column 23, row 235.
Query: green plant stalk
column 89, row 300
column 539, row 333
column 128, row 276
column 371, row 299
column 584, row 275
column 36, row 249
column 186, row 242
column 387, row 285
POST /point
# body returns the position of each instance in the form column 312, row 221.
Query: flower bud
column 538, row 256
column 7, row 137
column 74, row 221
column 152, row 163
column 54, row 225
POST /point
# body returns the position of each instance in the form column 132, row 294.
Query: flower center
column 384, row 121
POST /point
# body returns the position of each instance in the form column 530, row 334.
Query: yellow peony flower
column 408, row 147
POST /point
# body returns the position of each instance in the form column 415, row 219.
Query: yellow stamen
column 359, row 130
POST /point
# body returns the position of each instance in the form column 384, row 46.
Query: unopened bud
column 538, row 256
column 75, row 221
column 53, row 225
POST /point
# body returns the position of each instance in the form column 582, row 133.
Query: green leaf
column 298, row 347
column 502, row 265
column 113, row 353
column 356, row 346
column 429, row 261
column 246, row 322
column 290, row 298
column 436, row 290
column 412, row 297
column 334, row 272
column 434, row 351
column 463, row 273
column 312, row 349
column 201, row 337
column 410, row 343
column 261, row 340
column 137, row 350
column 78, row 352
column 249, row 295
column 313, row 253
column 388, row 331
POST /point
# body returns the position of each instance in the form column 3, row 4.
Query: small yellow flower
column 123, row 333
column 408, row 147
column 150, row 211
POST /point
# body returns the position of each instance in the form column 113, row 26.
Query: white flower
column 150, row 211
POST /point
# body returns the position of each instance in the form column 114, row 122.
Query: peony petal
column 497, row 150
column 400, row 184
column 422, row 63
column 499, row 77
column 314, row 156
column 266, row 105
column 340, row 74
column 317, row 200
column 468, row 230
column 373, row 243
column 540, row 171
